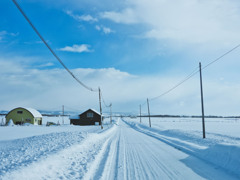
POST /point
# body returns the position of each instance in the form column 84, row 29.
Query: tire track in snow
column 110, row 170
column 187, row 148
column 142, row 161
column 105, row 166
column 105, row 160
column 133, row 155
column 140, row 156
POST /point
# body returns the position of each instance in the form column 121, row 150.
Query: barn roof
column 34, row 112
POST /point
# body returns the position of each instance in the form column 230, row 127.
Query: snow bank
column 64, row 155
column 221, row 147
column 10, row 123
column 224, row 156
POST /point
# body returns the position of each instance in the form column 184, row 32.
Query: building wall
column 38, row 121
column 85, row 119
column 75, row 121
column 21, row 115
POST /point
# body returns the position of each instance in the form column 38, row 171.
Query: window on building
column 90, row 115
column 19, row 112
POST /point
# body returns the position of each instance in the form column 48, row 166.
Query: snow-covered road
column 136, row 155
column 121, row 152
column 139, row 156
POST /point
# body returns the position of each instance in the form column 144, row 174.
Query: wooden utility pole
column 140, row 114
column 111, row 113
column 100, row 106
column 149, row 113
column 203, row 120
column 63, row 115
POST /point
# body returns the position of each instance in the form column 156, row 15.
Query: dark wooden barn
column 89, row 117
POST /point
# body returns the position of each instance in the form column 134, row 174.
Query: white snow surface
column 10, row 123
column 126, row 149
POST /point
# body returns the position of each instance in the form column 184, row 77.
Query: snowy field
column 215, row 128
column 172, row 148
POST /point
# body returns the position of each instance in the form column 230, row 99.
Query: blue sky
column 133, row 49
column 107, row 43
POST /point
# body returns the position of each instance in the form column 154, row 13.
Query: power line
column 107, row 106
column 174, row 87
column 144, row 103
column 220, row 57
column 51, row 50
column 193, row 73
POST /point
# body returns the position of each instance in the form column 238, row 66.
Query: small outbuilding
column 24, row 115
column 89, row 117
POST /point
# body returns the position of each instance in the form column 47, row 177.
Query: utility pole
column 140, row 114
column 63, row 115
column 149, row 113
column 203, row 120
column 100, row 106
column 111, row 113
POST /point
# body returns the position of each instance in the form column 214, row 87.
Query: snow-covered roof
column 78, row 116
column 34, row 112
column 91, row 110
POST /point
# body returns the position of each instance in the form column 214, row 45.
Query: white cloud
column 46, row 65
column 185, row 21
column 107, row 30
column 88, row 17
column 50, row 88
column 8, row 66
column 98, row 27
column 36, row 42
column 127, row 16
column 104, row 29
column 4, row 34
column 76, row 48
